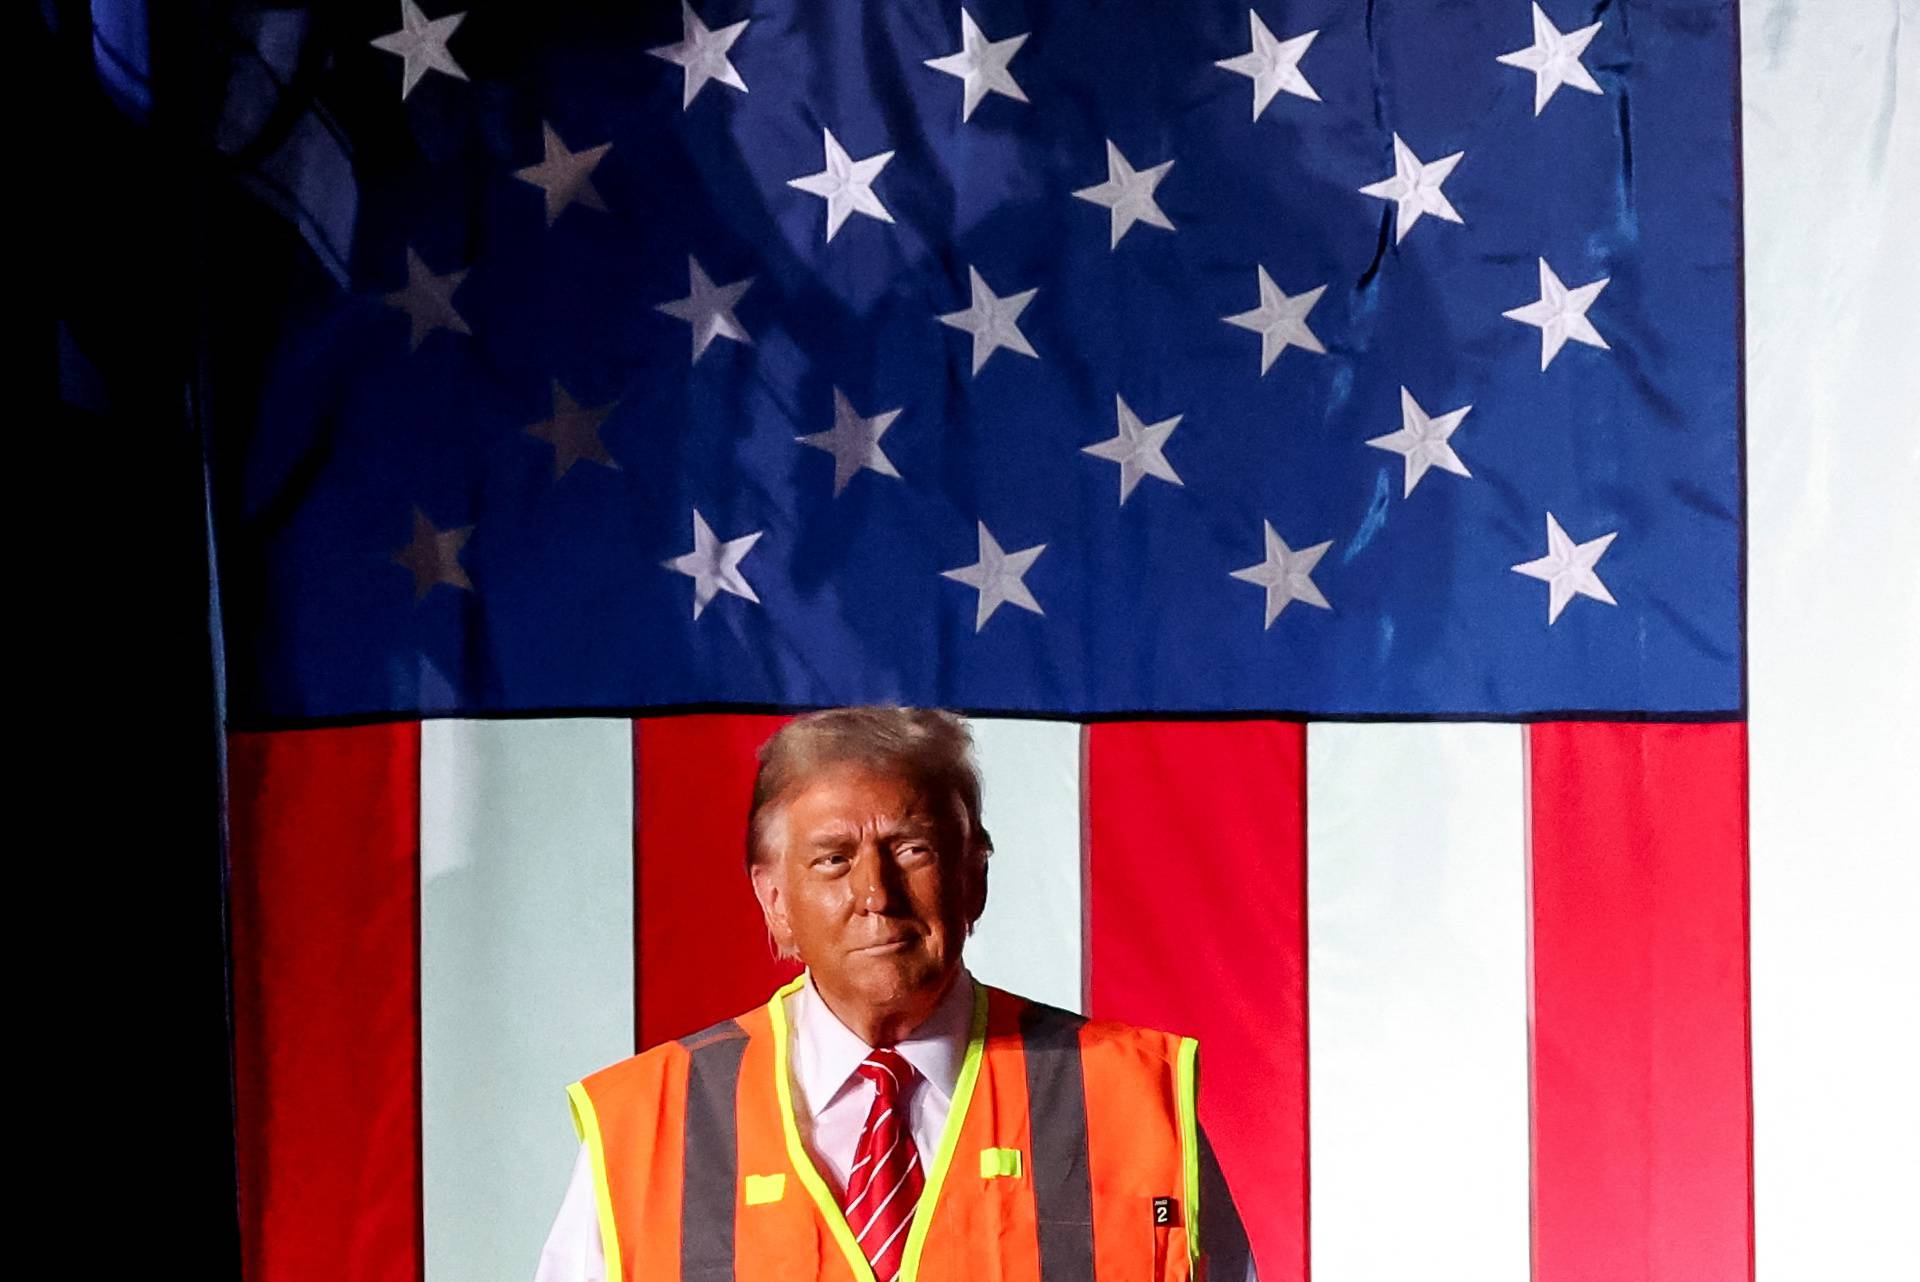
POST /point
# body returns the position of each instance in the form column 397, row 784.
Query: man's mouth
column 887, row 946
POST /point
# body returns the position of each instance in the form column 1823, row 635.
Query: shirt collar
column 827, row 1054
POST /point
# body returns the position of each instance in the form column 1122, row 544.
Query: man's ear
column 769, row 887
column 978, row 890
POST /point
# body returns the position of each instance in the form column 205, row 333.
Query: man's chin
column 896, row 975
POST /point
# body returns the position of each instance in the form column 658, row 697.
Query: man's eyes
column 835, row 861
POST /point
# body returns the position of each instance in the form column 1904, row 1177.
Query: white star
column 1128, row 193
column 1279, row 320
column 1138, row 448
column 1285, row 574
column 428, row 301
column 708, row 308
column 574, row 432
column 565, row 176
column 993, row 321
column 1554, row 59
column 981, row 65
column 1423, row 440
column 853, row 441
column 1561, row 314
column 846, row 184
column 421, row 45
column 714, row 565
column 1415, row 188
column 433, row 555
column 997, row 576
column 1272, row 65
column 1567, row 569
column 702, row 54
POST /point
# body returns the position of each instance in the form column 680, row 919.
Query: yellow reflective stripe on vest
column 810, row 1179
column 1186, row 1089
column 586, row 1124
column 949, row 1137
column 797, row 1154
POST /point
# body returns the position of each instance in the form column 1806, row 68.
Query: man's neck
column 884, row 1027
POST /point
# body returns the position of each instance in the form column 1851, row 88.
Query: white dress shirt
column 830, row 1107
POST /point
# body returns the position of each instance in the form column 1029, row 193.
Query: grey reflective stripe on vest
column 712, row 1155
column 1057, row 1116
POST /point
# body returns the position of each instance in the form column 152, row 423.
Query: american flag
column 1307, row 436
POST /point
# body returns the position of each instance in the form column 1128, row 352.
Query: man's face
column 873, row 888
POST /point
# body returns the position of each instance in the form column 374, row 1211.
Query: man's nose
column 874, row 889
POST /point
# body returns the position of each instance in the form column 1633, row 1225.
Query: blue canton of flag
column 1073, row 358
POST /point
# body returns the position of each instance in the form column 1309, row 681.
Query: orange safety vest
column 1071, row 1153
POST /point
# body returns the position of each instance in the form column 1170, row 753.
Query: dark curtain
column 122, row 1026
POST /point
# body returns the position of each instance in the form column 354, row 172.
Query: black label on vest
column 1166, row 1211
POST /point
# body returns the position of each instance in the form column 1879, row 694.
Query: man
column 885, row 1116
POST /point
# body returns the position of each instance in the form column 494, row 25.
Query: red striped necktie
column 884, row 1185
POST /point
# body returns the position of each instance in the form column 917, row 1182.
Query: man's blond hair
column 930, row 747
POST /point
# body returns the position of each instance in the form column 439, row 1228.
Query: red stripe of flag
column 1196, row 886
column 325, row 900
column 700, row 947
column 1642, row 1167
